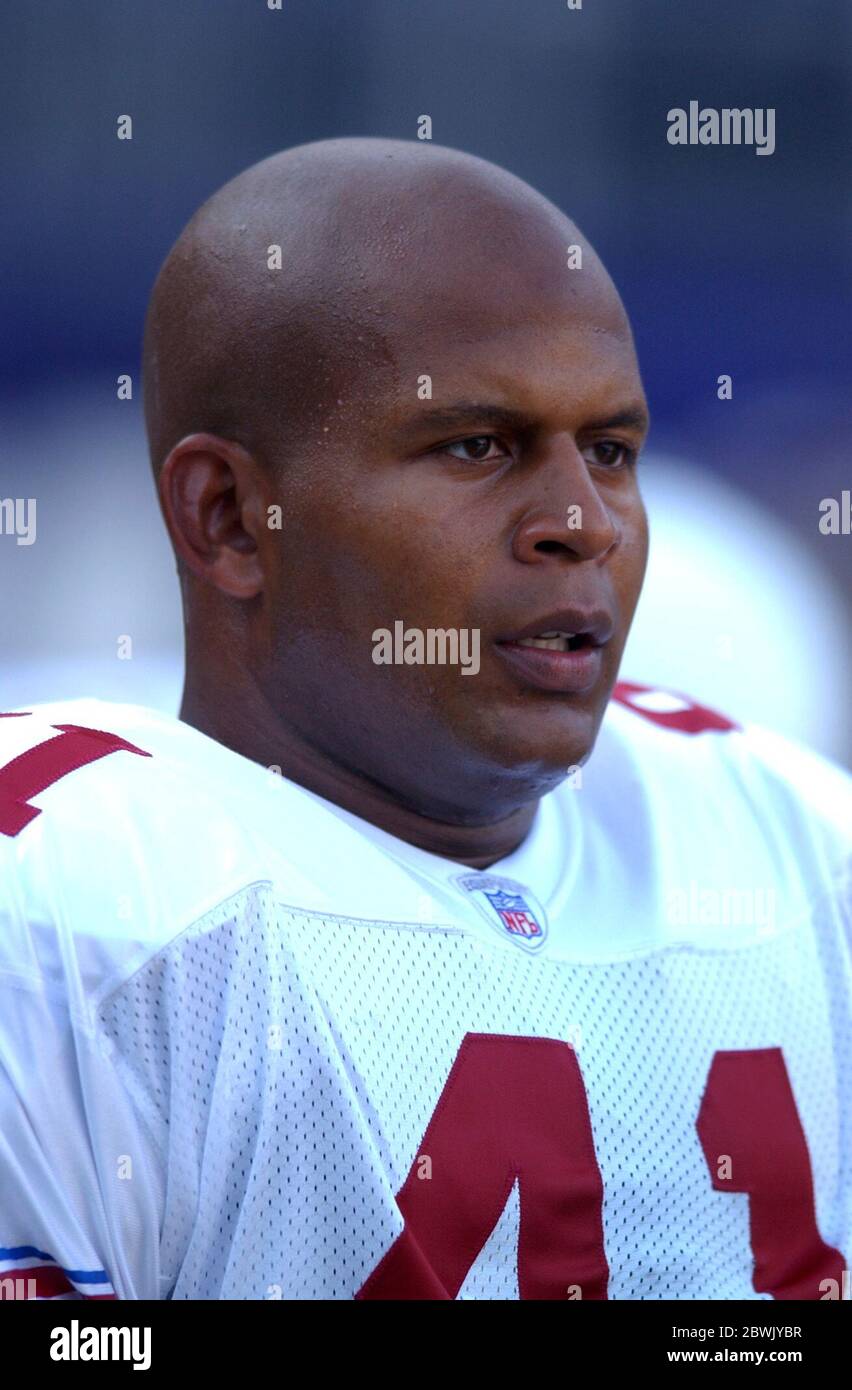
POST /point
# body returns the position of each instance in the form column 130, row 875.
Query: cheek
column 631, row 560
column 409, row 566
column 639, row 545
column 351, row 575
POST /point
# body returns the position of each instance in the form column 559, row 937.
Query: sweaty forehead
column 395, row 232
column 389, row 252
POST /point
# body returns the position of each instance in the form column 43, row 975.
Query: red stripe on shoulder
column 671, row 710
column 39, row 766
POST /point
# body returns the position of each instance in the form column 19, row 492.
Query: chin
column 544, row 745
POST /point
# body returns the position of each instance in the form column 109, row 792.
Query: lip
column 570, row 673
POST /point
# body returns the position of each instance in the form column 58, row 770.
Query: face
column 504, row 507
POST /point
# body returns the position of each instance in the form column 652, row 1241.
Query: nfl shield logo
column 514, row 913
column 508, row 906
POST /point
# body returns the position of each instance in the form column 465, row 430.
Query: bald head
column 377, row 237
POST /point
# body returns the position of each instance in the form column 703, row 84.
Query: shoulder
column 121, row 828
column 115, row 834
column 679, row 738
column 95, row 770
column 703, row 783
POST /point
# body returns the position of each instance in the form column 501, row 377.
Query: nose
column 567, row 516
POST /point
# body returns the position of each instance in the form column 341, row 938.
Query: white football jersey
column 253, row 1047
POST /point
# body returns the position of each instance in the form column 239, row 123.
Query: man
column 355, row 981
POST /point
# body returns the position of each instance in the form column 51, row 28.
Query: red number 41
column 515, row 1108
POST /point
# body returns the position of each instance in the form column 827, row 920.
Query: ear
column 214, row 497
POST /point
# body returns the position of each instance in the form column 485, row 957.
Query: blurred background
column 728, row 262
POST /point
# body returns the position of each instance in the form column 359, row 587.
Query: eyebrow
column 461, row 413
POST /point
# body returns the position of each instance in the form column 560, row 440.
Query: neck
column 475, row 845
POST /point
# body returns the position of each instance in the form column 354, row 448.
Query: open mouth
column 561, row 652
column 557, row 660
column 556, row 641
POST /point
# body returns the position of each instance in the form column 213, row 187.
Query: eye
column 610, row 453
column 475, row 449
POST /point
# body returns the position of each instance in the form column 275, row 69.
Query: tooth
column 551, row 644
